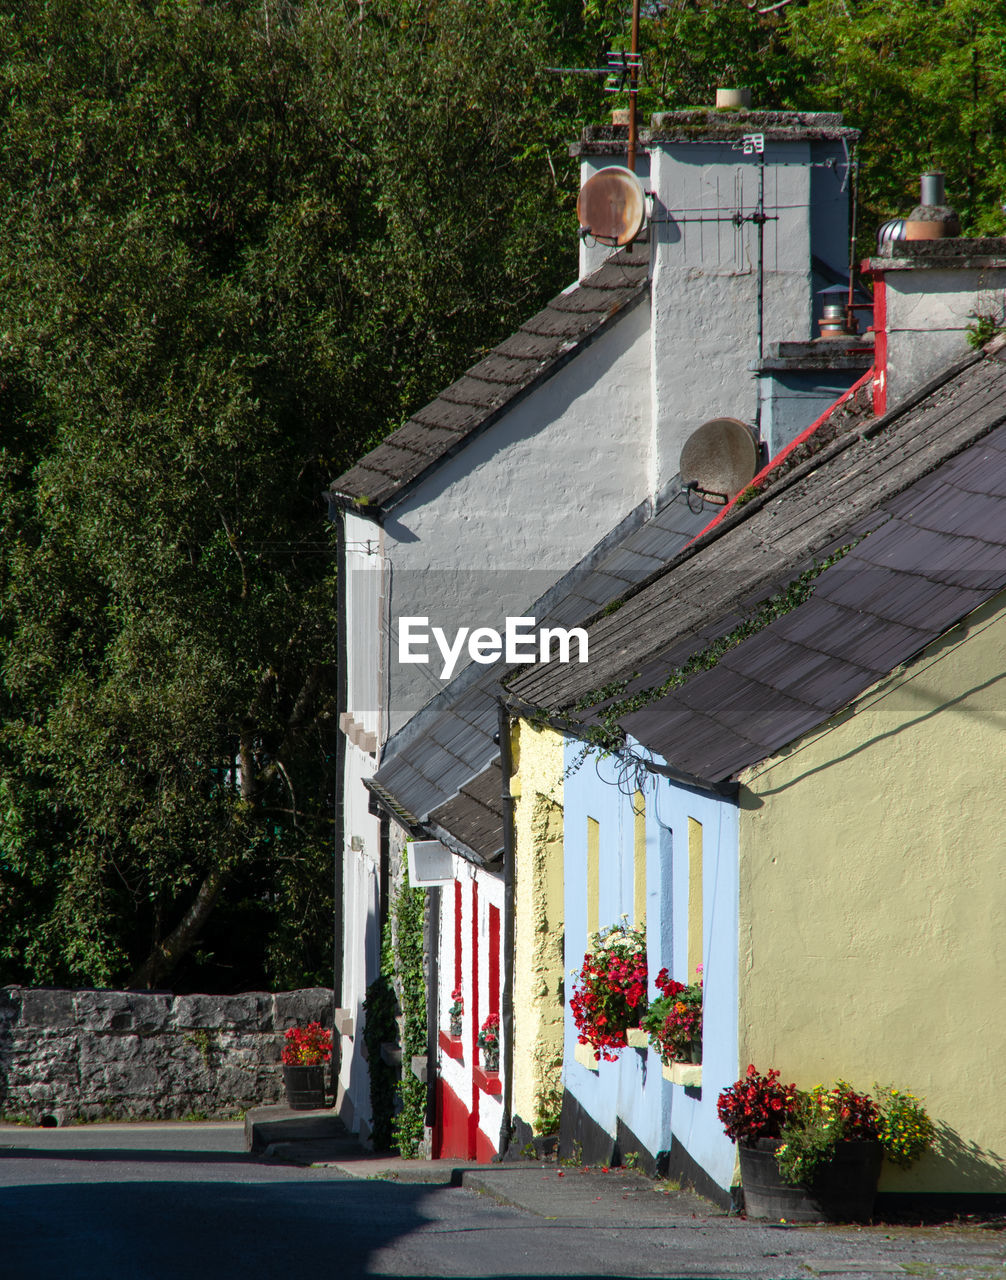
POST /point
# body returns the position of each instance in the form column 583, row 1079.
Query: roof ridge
column 536, row 350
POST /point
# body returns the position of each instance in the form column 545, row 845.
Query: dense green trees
column 925, row 82
column 239, row 241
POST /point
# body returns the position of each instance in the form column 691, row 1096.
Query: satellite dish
column 720, row 459
column 611, row 206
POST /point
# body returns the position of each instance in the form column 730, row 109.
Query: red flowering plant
column 811, row 1123
column 489, row 1042
column 674, row 1019
column 609, row 995
column 756, row 1106
column 307, row 1046
column 456, row 1011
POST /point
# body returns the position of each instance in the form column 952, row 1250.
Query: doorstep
column 267, row 1126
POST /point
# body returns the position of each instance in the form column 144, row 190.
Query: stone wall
column 96, row 1055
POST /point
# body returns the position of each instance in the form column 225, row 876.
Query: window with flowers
column 609, row 994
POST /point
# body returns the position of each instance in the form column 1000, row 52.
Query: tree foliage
column 239, row 242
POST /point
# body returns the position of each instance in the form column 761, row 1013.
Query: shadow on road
column 167, row 1230
column 131, row 1155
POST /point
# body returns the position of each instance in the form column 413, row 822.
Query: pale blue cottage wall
column 633, row 1089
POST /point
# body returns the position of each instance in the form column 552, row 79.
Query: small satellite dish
column 611, row 206
column 719, row 459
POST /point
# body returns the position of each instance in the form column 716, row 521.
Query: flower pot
column 305, row 1087
column 456, row 1027
column 843, row 1190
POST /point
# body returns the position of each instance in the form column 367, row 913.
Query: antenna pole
column 633, row 86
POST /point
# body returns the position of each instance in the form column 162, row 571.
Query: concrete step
column 268, row 1126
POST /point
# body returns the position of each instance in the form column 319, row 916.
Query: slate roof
column 919, row 499
column 427, row 770
column 536, row 351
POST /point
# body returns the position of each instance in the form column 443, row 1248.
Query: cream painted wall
column 537, row 785
column 873, row 898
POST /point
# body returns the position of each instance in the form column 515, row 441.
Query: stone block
column 140, row 1011
column 47, row 1007
column 244, row 1012
column 297, row 1008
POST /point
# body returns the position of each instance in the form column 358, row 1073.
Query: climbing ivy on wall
column 410, row 1119
column 615, row 702
column 396, row 1013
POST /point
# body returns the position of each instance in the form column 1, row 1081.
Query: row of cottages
column 517, row 482
column 812, row 704
column 475, row 510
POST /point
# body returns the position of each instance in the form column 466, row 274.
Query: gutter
column 506, row 995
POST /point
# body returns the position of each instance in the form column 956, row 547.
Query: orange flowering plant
column 308, row 1046
column 674, row 1019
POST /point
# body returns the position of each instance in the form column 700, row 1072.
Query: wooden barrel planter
column 843, row 1190
column 305, row 1087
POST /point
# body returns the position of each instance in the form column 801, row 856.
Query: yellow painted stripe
column 639, row 860
column 694, row 898
column 593, row 874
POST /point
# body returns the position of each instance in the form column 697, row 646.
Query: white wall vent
column 430, row 864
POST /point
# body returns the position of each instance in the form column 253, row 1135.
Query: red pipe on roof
column 784, row 453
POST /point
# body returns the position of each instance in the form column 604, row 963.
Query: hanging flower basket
column 674, row 1020
column 609, row 995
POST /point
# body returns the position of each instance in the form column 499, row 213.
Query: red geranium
column 674, row 1019
column 610, row 991
column 307, row 1046
column 756, row 1106
column 489, row 1041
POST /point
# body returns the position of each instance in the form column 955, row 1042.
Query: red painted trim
column 494, row 960
column 488, row 1081
column 879, row 344
column 453, row 1046
column 450, row 1134
column 485, row 1150
column 457, row 934
column 473, row 1117
column 784, row 453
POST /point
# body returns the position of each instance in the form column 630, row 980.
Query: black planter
column 305, row 1087
column 843, row 1190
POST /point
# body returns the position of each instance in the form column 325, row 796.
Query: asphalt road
column 183, row 1202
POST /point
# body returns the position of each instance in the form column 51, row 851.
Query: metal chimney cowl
column 932, row 219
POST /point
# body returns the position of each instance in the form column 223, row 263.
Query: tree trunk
column 166, row 955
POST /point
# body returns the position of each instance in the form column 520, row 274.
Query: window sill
column 688, row 1074
column 451, row 1045
column 488, row 1081
column 584, row 1055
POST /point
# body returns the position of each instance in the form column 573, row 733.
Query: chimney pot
column 933, row 188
